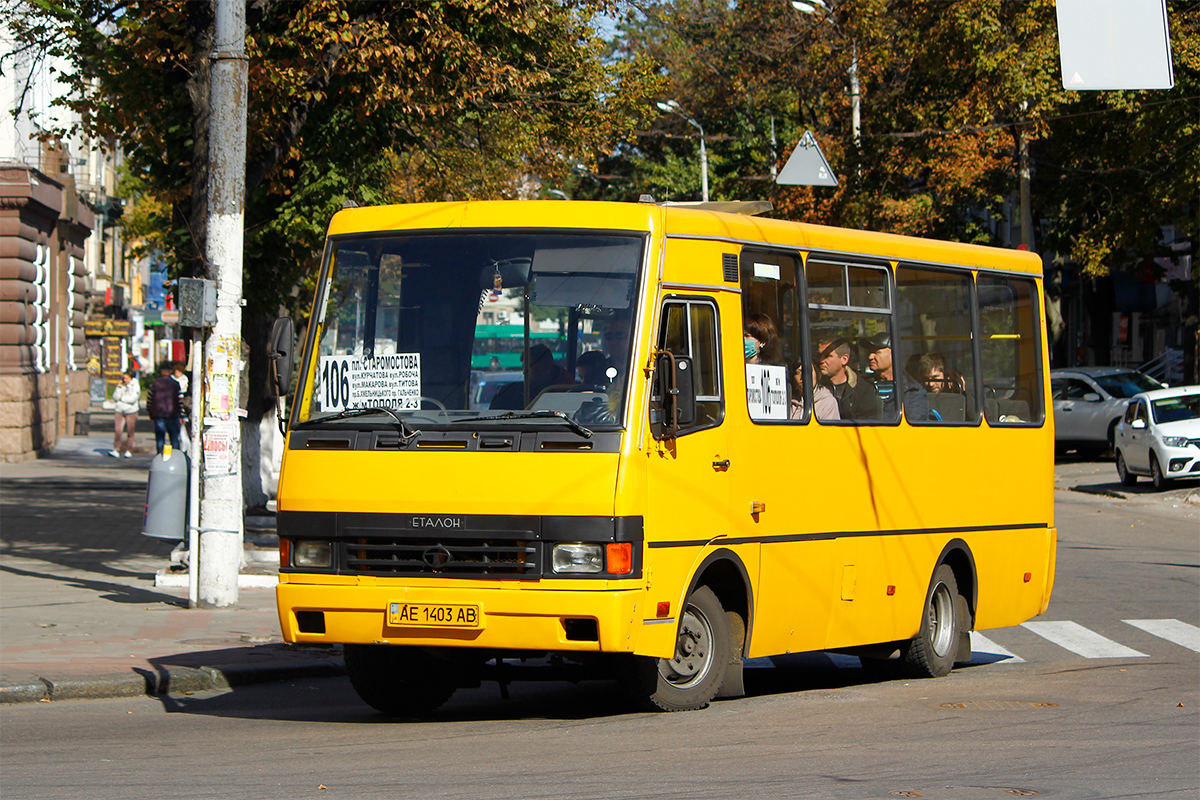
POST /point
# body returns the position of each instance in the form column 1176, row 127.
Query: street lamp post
column 672, row 107
column 855, row 101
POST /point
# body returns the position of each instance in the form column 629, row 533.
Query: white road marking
column 985, row 651
column 1172, row 630
column 1080, row 640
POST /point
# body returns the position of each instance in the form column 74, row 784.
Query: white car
column 1159, row 436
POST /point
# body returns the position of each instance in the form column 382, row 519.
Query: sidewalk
column 80, row 615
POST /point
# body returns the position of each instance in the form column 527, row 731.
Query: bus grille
column 446, row 558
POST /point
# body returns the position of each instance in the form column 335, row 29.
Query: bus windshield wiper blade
column 543, row 414
column 406, row 432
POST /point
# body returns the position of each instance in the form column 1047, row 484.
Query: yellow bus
column 870, row 472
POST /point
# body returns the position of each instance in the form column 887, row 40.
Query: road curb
column 161, row 680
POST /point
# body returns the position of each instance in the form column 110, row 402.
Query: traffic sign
column 807, row 165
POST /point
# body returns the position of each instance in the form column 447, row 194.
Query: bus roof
column 677, row 221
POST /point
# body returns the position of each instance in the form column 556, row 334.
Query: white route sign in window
column 766, row 391
column 391, row 381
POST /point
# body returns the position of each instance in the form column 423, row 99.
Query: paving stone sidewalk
column 80, row 615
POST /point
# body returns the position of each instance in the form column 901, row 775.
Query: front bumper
column 510, row 619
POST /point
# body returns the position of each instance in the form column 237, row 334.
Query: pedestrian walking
column 185, row 405
column 162, row 400
column 126, row 401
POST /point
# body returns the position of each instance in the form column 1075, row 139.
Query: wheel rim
column 941, row 619
column 693, row 651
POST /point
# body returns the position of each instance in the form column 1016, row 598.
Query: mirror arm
column 673, row 391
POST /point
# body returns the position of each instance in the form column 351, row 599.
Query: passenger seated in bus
column 761, row 340
column 930, row 370
column 590, row 368
column 825, row 405
column 856, row 396
column 544, row 372
column 879, row 358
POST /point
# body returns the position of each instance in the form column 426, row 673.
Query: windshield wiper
column 543, row 414
column 406, row 432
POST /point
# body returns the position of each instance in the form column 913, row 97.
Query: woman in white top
column 126, row 400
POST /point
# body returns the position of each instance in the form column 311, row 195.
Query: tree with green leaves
column 348, row 101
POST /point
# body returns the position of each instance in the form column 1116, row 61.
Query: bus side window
column 938, row 376
column 771, row 337
column 689, row 328
column 850, row 333
column 1010, row 351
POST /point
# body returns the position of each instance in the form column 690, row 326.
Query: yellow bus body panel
column 855, row 517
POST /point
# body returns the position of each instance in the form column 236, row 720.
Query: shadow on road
column 333, row 700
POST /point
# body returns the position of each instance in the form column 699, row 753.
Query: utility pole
column 221, row 513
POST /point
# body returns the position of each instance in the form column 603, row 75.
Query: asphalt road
column 1035, row 718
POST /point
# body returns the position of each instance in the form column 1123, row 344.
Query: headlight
column 1175, row 441
column 312, row 554
column 568, row 558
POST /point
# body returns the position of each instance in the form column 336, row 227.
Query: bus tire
column 933, row 651
column 690, row 679
column 394, row 680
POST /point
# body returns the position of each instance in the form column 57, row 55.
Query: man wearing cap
column 856, row 397
column 879, row 356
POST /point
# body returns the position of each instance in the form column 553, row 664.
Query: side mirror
column 1091, row 397
column 1139, row 424
column 283, row 334
column 673, row 401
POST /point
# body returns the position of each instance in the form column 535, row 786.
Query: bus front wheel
column 690, row 679
column 400, row 681
column 933, row 651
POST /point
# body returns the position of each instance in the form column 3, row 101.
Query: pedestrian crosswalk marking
column 1172, row 630
column 985, row 651
column 1080, row 640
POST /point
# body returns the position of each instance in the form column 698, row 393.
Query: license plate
column 427, row 615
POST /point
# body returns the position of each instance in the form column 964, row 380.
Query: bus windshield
column 445, row 329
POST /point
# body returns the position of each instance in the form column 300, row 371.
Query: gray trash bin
column 83, row 422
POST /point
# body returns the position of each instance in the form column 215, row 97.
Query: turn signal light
column 619, row 557
column 1028, row 577
column 285, row 552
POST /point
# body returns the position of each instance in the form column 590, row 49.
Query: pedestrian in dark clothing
column 162, row 401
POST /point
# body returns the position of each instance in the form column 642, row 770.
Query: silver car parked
column 1088, row 403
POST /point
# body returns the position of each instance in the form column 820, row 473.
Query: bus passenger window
column 689, row 328
column 849, row 317
column 939, row 376
column 1012, row 365
column 771, row 337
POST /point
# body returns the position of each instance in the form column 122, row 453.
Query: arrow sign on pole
column 807, row 165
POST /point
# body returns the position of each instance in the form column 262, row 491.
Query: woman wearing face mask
column 761, row 341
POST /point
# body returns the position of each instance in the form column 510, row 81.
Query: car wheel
column 1127, row 477
column 1112, row 434
column 1156, row 474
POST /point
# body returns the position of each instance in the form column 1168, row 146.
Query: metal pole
column 221, row 513
column 194, row 475
column 703, row 166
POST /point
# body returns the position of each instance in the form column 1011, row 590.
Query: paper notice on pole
column 391, row 381
column 766, row 391
column 217, row 441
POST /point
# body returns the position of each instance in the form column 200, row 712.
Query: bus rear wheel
column 933, row 651
column 690, row 679
column 400, row 681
